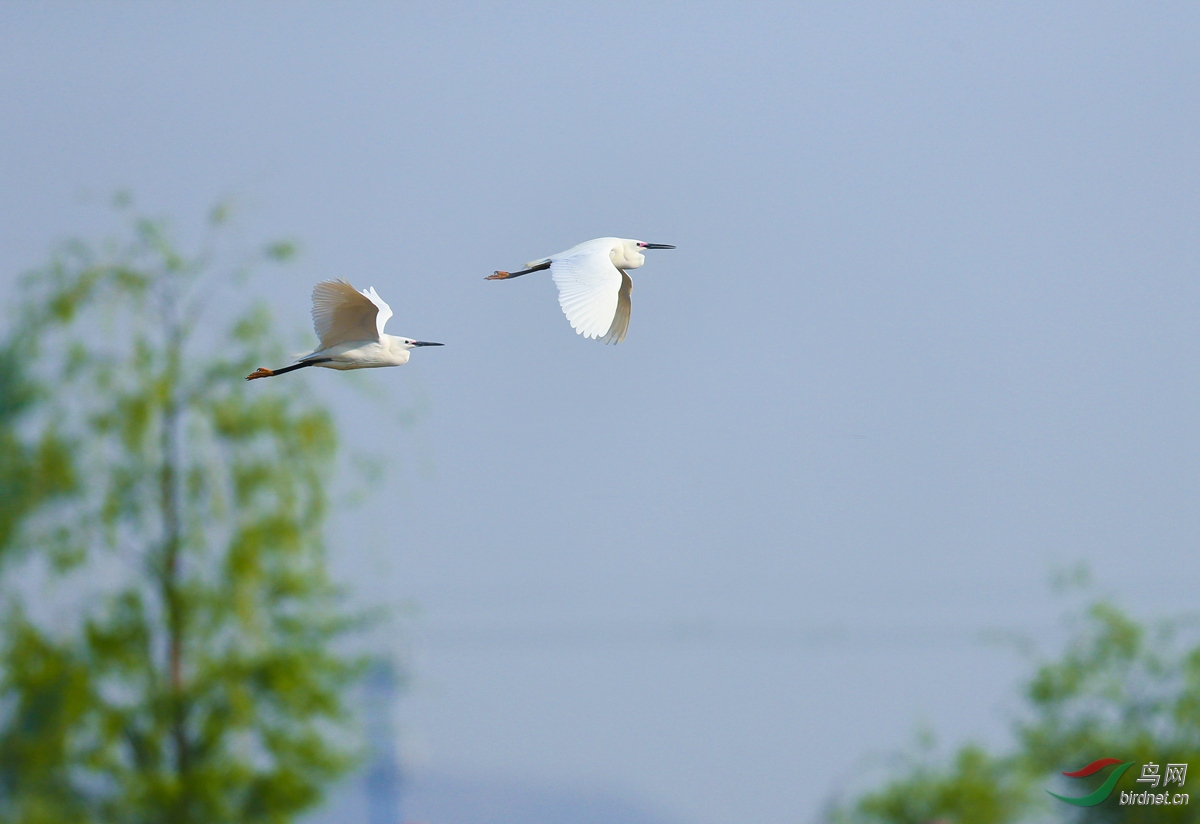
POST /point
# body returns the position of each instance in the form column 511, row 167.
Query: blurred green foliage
column 1120, row 690
column 169, row 628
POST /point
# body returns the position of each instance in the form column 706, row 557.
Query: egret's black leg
column 263, row 372
column 498, row 275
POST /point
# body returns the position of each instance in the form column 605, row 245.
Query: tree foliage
column 169, row 626
column 1119, row 690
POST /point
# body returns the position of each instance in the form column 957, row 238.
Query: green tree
column 1119, row 690
column 169, row 648
column 975, row 787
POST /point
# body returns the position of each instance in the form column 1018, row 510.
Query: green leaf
column 281, row 251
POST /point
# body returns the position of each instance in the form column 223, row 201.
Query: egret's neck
column 624, row 258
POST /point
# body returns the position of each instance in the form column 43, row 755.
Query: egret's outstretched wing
column 620, row 321
column 385, row 311
column 341, row 313
column 588, row 286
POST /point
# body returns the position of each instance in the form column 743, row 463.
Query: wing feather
column 385, row 311
column 341, row 313
column 620, row 321
column 588, row 288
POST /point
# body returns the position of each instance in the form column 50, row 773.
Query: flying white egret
column 593, row 285
column 350, row 325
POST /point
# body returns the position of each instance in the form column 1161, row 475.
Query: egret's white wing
column 385, row 311
column 620, row 321
column 588, row 286
column 341, row 313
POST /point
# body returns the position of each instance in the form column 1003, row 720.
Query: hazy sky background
column 930, row 332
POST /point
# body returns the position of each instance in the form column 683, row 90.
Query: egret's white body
column 349, row 324
column 593, row 283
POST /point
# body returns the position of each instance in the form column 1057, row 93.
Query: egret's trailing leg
column 264, row 372
column 498, row 275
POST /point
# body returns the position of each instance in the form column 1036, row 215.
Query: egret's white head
column 627, row 254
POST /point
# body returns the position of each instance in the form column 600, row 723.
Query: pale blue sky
column 930, row 331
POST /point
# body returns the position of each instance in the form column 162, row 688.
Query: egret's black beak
column 658, row 246
column 426, row 343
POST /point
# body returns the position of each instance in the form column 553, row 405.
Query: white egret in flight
column 350, row 325
column 593, row 284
